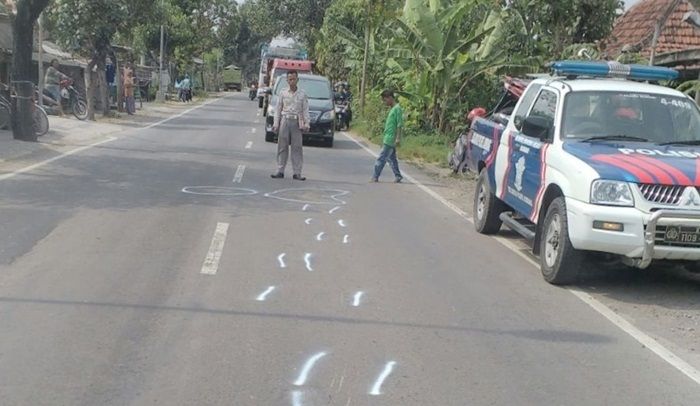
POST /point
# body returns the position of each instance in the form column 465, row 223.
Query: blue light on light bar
column 612, row 69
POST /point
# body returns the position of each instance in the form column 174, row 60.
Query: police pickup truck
column 593, row 159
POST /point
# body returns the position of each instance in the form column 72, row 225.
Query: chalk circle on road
column 218, row 191
column 310, row 195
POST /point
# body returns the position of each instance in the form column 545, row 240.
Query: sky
column 630, row 3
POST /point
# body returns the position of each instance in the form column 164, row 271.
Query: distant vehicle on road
column 321, row 108
column 593, row 161
column 232, row 78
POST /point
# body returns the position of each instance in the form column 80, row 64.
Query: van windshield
column 314, row 89
column 655, row 117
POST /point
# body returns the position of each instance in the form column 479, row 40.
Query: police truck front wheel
column 487, row 208
column 560, row 262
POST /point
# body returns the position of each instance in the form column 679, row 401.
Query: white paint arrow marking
column 377, row 387
column 211, row 261
column 280, row 259
column 333, row 210
column 342, row 223
column 301, row 380
column 320, row 235
column 249, row 145
column 238, row 177
column 263, row 296
column 307, row 260
column 356, row 299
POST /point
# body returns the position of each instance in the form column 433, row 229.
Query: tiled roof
column 636, row 28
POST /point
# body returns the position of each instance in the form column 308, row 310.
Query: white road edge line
column 377, row 387
column 238, row 177
column 356, row 299
column 307, row 260
column 617, row 320
column 333, row 210
column 280, row 259
column 54, row 159
column 320, row 235
column 301, row 380
column 211, row 262
column 249, row 145
column 261, row 297
column 178, row 115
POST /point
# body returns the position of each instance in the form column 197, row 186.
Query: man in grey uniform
column 291, row 119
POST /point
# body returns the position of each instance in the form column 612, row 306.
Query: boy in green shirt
column 392, row 137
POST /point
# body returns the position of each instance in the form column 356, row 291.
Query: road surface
column 167, row 267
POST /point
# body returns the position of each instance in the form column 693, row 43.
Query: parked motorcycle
column 70, row 100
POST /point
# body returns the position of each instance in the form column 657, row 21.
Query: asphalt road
column 167, row 267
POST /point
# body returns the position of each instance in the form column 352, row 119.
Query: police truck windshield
column 613, row 115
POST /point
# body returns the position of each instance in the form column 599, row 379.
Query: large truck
column 593, row 162
column 232, row 78
column 268, row 54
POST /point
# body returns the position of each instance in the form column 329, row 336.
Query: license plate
column 682, row 235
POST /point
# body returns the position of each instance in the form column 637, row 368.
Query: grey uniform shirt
column 294, row 104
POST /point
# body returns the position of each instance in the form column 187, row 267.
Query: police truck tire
column 560, row 262
column 487, row 207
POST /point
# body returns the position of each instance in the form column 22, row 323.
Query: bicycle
column 40, row 120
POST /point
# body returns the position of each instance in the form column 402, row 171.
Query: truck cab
column 593, row 160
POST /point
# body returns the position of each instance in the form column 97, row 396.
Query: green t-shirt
column 394, row 121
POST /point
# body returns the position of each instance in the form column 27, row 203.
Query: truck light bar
column 612, row 69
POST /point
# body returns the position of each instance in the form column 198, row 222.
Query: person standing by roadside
column 129, row 90
column 52, row 83
column 186, row 86
column 392, row 138
column 291, row 119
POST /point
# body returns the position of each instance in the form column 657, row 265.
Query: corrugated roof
column 635, row 28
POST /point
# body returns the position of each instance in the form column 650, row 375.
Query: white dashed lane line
column 238, row 177
column 249, row 145
column 216, row 248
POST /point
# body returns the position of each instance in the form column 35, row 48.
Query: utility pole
column 160, row 96
column 41, row 61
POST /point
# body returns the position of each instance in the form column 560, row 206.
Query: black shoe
column 278, row 175
column 298, row 177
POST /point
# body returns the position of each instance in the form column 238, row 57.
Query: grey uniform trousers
column 289, row 134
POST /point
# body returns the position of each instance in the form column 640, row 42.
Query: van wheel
column 560, row 262
column 487, row 207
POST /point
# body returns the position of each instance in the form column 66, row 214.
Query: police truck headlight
column 328, row 116
column 612, row 193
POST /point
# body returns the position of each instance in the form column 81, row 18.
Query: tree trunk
column 363, row 85
column 104, row 94
column 23, row 28
column 91, row 84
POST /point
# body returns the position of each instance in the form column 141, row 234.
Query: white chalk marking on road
column 257, row 114
column 238, row 177
column 307, row 260
column 356, row 299
column 335, row 195
column 346, row 239
column 178, row 115
column 306, row 207
column 263, row 296
column 218, row 191
column 342, row 223
column 54, row 159
column 296, row 397
column 301, row 380
column 320, row 235
column 249, row 145
column 377, row 387
column 617, row 320
column 308, row 221
column 253, row 130
column 280, row 259
column 333, row 210
column 211, row 262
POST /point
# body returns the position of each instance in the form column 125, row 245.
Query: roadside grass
column 416, row 147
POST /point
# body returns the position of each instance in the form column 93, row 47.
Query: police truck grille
column 663, row 194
